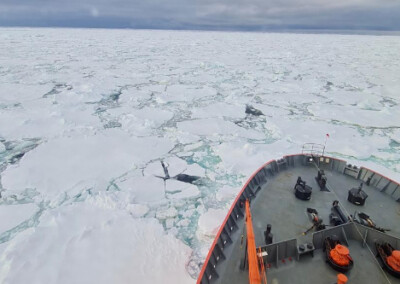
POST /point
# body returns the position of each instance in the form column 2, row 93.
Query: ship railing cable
column 358, row 231
column 313, row 149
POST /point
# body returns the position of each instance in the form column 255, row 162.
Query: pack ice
column 122, row 150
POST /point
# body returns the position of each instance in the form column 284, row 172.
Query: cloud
column 94, row 12
column 207, row 14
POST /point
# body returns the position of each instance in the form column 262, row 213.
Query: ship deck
column 276, row 204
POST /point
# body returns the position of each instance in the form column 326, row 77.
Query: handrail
column 254, row 272
column 203, row 269
column 262, row 266
column 313, row 149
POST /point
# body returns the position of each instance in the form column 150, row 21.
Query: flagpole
column 326, row 139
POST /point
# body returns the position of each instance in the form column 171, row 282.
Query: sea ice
column 219, row 110
column 73, row 164
column 352, row 115
column 145, row 189
column 13, row 215
column 80, row 243
column 227, row 193
column 186, row 93
column 137, row 210
column 2, row 147
column 210, row 222
column 214, row 127
column 181, row 190
column 167, row 213
column 178, row 97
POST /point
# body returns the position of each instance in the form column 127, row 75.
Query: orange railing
column 254, row 272
column 262, row 266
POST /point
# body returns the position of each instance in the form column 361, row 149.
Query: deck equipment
column 367, row 254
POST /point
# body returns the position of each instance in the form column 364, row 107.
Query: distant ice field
column 87, row 117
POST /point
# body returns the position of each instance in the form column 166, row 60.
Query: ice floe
column 13, row 215
column 73, row 164
column 85, row 244
column 144, row 189
column 210, row 222
column 181, row 190
column 213, row 128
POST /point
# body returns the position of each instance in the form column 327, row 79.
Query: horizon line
column 300, row 30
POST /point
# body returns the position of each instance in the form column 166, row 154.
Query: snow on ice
column 80, row 243
column 86, row 122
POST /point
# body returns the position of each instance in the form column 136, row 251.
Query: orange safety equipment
column 341, row 278
column 394, row 260
column 340, row 255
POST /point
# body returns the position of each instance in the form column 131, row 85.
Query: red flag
column 327, row 135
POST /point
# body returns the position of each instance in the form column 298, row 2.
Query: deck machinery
column 330, row 252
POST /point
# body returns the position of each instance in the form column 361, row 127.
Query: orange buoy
column 340, row 255
column 341, row 278
column 394, row 260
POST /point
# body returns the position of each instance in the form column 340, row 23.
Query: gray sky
column 204, row 14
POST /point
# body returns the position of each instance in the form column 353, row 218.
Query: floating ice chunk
column 227, row 193
column 20, row 93
column 140, row 121
column 42, row 118
column 188, row 212
column 80, row 243
column 154, row 88
column 13, row 215
column 183, row 223
column 3, row 246
column 354, row 115
column 370, row 102
column 155, row 115
column 184, row 154
column 145, row 189
column 180, row 136
column 211, row 175
column 395, row 136
column 111, row 199
column 275, row 111
column 174, row 165
column 154, row 169
column 181, row 190
column 210, row 222
column 131, row 98
column 167, row 213
column 137, row 210
column 194, row 146
column 169, row 223
column 20, row 123
column 219, row 110
column 345, row 140
column 215, row 127
column 195, row 170
column 2, row 147
column 73, row 164
column 186, row 93
column 244, row 159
